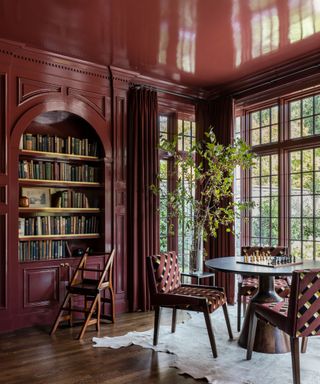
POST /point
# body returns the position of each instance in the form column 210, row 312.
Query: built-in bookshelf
column 60, row 203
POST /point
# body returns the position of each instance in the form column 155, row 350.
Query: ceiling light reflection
column 186, row 48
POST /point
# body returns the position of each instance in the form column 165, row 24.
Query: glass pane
column 296, row 248
column 317, row 104
column 295, row 161
column 295, row 206
column 265, row 228
column 274, row 115
column 255, row 211
column 307, row 206
column 295, row 229
column 255, row 137
column 317, row 182
column 295, row 109
column 255, row 120
column 295, row 184
column 307, row 106
column 255, row 227
column 274, row 133
column 274, row 228
column 274, row 186
column 307, row 126
column 307, row 187
column 265, row 135
column 265, row 117
column 307, row 250
column 265, row 207
column 255, row 186
column 307, row 229
column 295, row 128
column 274, row 207
column 255, row 169
column 307, row 160
column 274, row 164
column 317, row 125
column 265, row 165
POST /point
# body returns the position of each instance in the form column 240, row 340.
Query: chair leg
column 304, row 345
column 60, row 312
column 174, row 320
column 251, row 334
column 157, row 313
column 98, row 313
column 210, row 332
column 88, row 320
column 239, row 313
column 113, row 313
column 226, row 316
column 294, row 342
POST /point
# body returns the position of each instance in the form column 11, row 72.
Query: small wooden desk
column 268, row 339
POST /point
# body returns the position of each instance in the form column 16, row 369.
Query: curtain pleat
column 219, row 114
column 143, row 167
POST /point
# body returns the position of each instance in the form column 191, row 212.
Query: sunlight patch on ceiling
column 186, row 48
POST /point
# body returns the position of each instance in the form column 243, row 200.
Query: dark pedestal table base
column 268, row 339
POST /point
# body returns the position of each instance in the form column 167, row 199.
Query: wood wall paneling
column 41, row 286
column 3, row 261
column 3, row 136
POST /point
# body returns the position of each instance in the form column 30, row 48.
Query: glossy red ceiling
column 200, row 43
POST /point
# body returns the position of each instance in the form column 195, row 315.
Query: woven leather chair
column 166, row 290
column 88, row 288
column 248, row 285
column 298, row 316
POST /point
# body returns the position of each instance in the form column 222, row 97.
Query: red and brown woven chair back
column 304, row 304
column 166, row 272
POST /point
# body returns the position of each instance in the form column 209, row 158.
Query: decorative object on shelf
column 24, row 201
column 38, row 197
column 78, row 252
column 206, row 188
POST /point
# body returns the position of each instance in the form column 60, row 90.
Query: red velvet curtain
column 143, row 166
column 219, row 114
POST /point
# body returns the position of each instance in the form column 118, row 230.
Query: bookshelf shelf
column 58, row 183
column 57, row 156
column 58, row 210
column 61, row 237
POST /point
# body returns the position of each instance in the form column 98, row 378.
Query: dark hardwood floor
column 31, row 356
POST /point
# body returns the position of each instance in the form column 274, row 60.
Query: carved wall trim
column 28, row 89
column 96, row 100
column 20, row 51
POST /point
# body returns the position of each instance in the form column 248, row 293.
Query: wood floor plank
column 32, row 356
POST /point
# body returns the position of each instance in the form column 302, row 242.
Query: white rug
column 190, row 344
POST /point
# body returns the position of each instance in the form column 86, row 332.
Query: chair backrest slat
column 163, row 272
column 304, row 303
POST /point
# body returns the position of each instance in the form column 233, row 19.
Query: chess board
column 281, row 261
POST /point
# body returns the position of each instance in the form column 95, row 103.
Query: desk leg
column 268, row 338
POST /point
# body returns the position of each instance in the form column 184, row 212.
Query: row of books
column 69, row 199
column 45, row 170
column 58, row 225
column 42, row 250
column 69, row 145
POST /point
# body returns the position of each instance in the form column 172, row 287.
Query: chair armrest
column 203, row 287
column 172, row 299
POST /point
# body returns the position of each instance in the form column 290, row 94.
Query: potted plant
column 206, row 188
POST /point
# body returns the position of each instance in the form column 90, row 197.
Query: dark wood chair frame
column 91, row 289
column 275, row 251
column 288, row 326
column 183, row 302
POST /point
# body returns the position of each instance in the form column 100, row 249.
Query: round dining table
column 268, row 338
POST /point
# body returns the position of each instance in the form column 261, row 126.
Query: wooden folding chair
column 91, row 291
